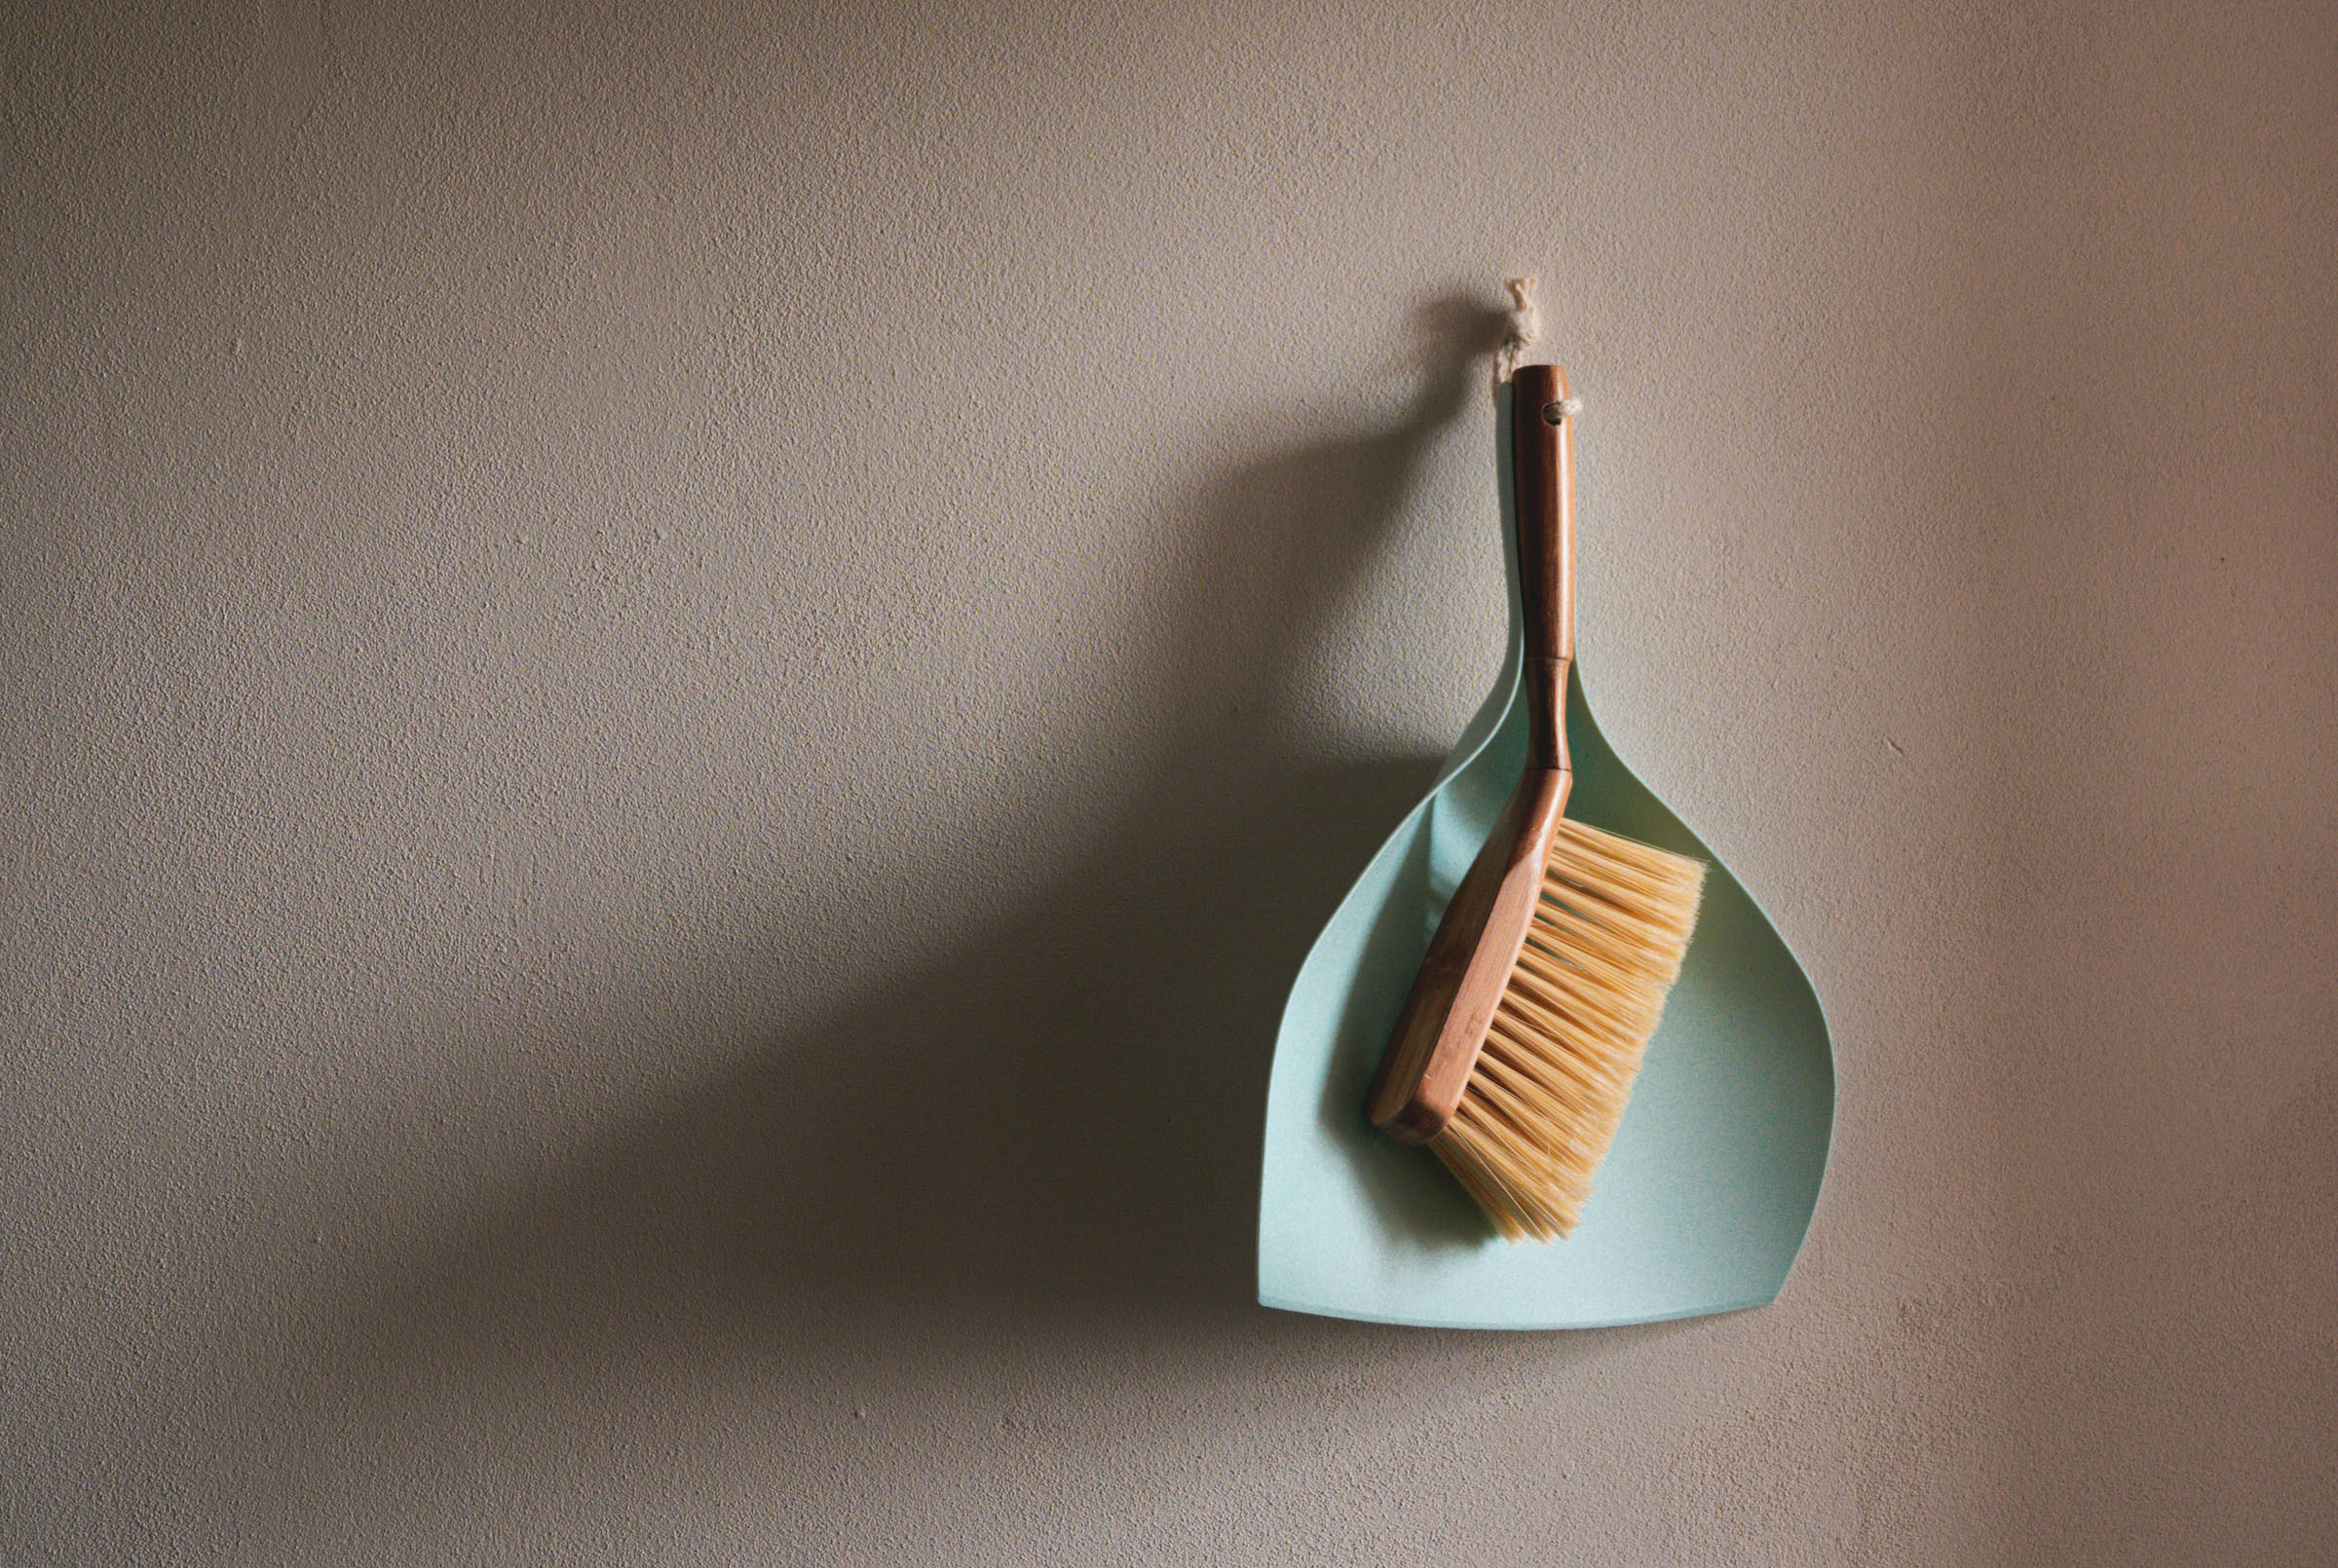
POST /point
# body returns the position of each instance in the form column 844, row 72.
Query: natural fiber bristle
column 1548, row 1091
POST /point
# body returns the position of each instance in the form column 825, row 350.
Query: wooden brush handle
column 1443, row 1025
column 1542, row 438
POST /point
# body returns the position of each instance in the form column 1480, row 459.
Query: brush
column 1516, row 1051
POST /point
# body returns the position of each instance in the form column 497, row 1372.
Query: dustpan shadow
column 1056, row 1123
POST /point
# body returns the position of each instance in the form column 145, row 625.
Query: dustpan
column 1707, row 1192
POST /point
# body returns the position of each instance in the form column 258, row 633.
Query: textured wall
column 678, row 681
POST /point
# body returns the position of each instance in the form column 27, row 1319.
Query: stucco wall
column 678, row 681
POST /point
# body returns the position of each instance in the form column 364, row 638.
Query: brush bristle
column 1548, row 1091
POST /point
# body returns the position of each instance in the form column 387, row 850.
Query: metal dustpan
column 1706, row 1194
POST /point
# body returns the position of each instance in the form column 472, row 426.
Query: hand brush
column 1514, row 1053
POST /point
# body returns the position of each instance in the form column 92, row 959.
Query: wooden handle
column 1543, row 446
column 1443, row 1025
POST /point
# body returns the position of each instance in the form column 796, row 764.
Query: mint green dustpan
column 1706, row 1194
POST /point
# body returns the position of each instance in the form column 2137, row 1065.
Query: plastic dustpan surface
column 1704, row 1199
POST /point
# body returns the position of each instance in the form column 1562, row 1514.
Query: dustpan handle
column 1542, row 444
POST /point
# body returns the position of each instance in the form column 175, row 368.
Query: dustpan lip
column 1389, row 1320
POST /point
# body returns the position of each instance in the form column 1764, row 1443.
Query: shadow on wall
column 1060, row 1123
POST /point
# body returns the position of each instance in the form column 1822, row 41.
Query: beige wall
column 678, row 681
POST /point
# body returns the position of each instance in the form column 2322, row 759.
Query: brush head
column 1544, row 1098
